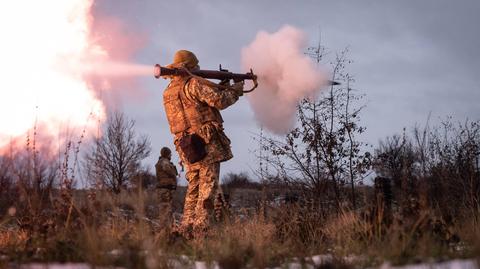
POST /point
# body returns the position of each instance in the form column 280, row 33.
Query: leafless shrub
column 28, row 175
column 438, row 167
column 322, row 155
column 115, row 158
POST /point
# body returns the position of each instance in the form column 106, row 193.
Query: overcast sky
column 411, row 58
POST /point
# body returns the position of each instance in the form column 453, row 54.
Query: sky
column 410, row 58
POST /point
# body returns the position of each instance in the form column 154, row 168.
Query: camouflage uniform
column 192, row 106
column 167, row 183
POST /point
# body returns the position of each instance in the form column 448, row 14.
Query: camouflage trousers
column 200, row 198
column 165, row 207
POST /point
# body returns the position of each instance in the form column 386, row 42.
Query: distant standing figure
column 167, row 184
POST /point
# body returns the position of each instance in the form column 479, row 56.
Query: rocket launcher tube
column 208, row 74
column 223, row 74
column 160, row 71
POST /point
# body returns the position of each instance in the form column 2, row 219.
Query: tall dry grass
column 109, row 229
column 53, row 221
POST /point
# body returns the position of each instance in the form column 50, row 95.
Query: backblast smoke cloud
column 285, row 74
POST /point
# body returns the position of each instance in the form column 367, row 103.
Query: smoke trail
column 109, row 65
column 286, row 76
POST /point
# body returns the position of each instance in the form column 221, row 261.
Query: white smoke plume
column 285, row 75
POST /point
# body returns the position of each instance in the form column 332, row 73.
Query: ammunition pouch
column 193, row 147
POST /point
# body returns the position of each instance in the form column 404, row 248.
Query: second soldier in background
column 167, row 184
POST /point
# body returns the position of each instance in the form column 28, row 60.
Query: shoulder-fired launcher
column 221, row 74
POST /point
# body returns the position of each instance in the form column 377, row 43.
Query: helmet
column 184, row 58
column 165, row 152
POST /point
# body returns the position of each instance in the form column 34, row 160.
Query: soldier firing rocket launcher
column 221, row 74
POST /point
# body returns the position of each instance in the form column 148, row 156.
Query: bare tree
column 322, row 154
column 115, row 158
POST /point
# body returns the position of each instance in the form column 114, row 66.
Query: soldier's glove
column 238, row 87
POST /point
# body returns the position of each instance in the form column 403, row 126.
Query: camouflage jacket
column 192, row 106
column 166, row 173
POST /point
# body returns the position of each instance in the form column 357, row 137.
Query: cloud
column 410, row 57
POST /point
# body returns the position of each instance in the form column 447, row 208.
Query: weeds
column 113, row 229
column 44, row 218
